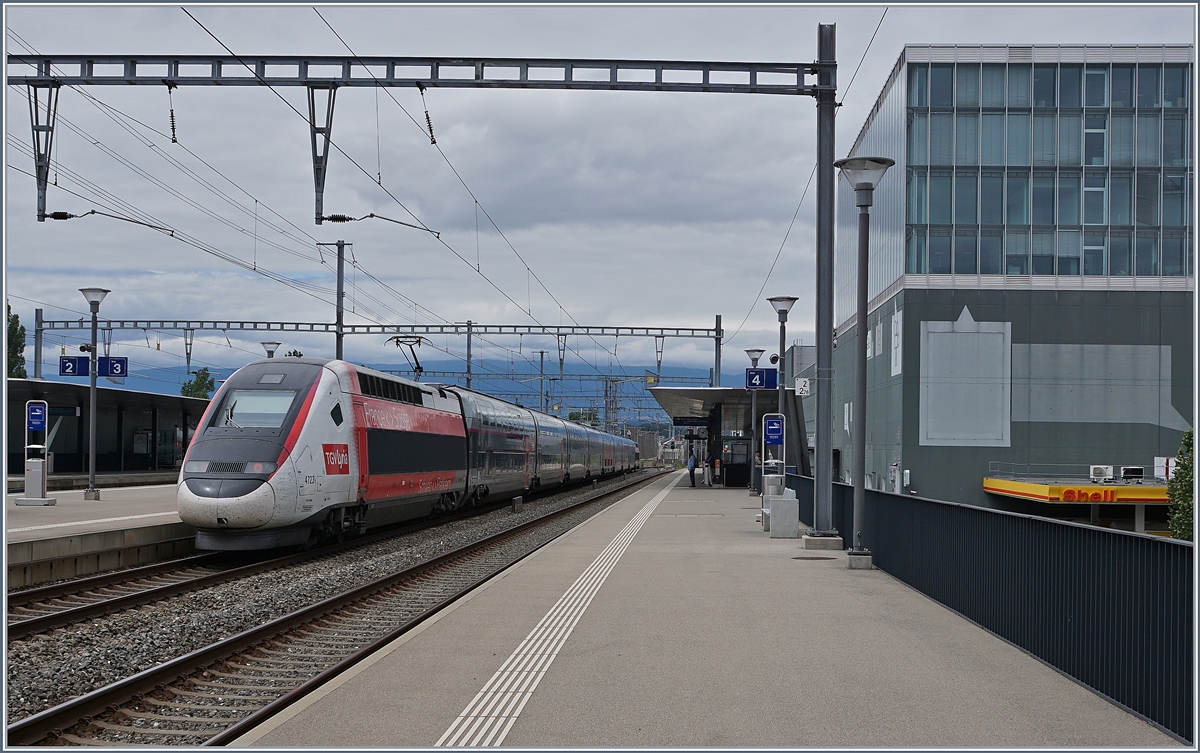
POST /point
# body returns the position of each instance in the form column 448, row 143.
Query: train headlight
column 258, row 467
column 195, row 466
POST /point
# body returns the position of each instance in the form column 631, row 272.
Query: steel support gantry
column 44, row 74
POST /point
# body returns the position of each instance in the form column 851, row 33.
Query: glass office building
column 1031, row 265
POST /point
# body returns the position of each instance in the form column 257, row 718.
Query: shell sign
column 1113, row 494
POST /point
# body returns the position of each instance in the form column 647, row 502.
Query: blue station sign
column 35, row 415
column 762, row 379
column 772, row 430
column 112, row 366
column 73, row 366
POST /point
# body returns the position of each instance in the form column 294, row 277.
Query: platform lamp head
column 782, row 305
column 755, row 354
column 271, row 347
column 94, row 296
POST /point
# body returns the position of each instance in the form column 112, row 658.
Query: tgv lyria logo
column 337, row 459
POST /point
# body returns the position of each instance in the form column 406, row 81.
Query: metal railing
column 1065, row 471
column 1111, row 609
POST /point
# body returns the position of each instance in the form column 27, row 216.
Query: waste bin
column 772, row 485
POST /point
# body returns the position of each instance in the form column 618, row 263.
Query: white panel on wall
column 897, row 341
column 966, row 383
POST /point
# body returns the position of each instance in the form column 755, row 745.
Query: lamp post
column 755, row 472
column 94, row 296
column 782, row 305
column 864, row 174
column 270, row 347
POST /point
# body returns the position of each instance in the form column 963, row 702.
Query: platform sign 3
column 772, row 430
column 112, row 367
column 73, row 366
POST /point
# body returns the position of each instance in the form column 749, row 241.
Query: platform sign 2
column 73, row 366
column 762, row 379
column 773, row 430
column 112, row 366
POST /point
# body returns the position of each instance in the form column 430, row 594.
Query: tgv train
column 295, row 450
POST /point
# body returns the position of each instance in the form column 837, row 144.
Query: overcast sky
column 633, row 208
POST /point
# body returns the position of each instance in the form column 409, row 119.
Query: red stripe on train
column 394, row 485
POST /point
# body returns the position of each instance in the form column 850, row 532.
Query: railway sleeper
column 227, row 697
column 215, row 714
column 203, row 707
column 224, row 686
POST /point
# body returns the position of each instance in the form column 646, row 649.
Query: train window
column 244, row 409
column 336, row 414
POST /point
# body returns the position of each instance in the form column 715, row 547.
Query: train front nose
column 226, row 503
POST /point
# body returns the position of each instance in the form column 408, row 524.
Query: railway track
column 37, row 610
column 213, row 695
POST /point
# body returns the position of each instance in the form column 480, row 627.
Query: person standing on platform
column 692, row 468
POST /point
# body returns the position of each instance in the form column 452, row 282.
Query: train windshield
column 243, row 409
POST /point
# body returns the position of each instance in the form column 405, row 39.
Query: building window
column 917, row 207
column 939, row 251
column 1069, row 128
column 1120, row 255
column 1018, row 138
column 1121, row 200
column 1175, row 86
column 1122, row 86
column 1093, row 253
column 941, row 195
column 918, row 85
column 1121, row 141
column 1096, row 86
column 1094, row 198
column 1173, row 206
column 914, row 253
column 1044, row 85
column 1174, row 141
column 967, row 85
column 1068, row 199
column 1147, row 199
column 941, row 138
column 1043, row 199
column 918, row 138
column 1069, row 88
column 991, row 251
column 1068, row 252
column 1043, row 252
column 1149, row 139
column 966, row 139
column 1173, row 255
column 1044, row 127
column 991, row 199
column 1018, row 85
column 992, row 140
column 1018, row 198
column 993, row 85
column 965, row 196
column 1147, row 85
column 964, row 252
column 1146, row 260
column 941, row 86
column 1095, row 140
column 1016, row 256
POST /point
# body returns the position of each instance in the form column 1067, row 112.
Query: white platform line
column 492, row 712
column 88, row 522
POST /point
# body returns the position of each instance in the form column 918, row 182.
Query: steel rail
column 53, row 721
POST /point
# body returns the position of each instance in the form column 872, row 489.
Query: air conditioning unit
column 1130, row 472
column 1101, row 472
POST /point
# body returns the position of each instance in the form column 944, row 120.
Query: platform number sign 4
column 761, row 379
column 112, row 367
column 73, row 366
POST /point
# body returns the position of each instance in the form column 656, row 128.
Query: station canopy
column 698, row 402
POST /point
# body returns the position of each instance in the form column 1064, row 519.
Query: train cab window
column 245, row 409
column 336, row 414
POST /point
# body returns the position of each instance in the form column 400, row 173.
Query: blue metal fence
column 1111, row 609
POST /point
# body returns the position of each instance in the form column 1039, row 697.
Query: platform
column 703, row 632
column 144, row 520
